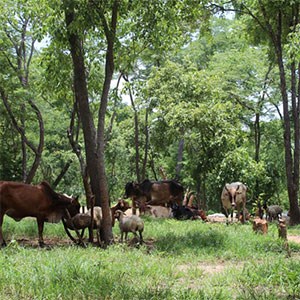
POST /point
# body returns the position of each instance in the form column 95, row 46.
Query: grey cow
column 273, row 212
column 233, row 197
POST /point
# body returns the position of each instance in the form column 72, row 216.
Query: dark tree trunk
column 136, row 134
column 145, row 160
column 73, row 135
column 89, row 132
column 94, row 141
column 179, row 158
column 61, row 175
column 110, row 33
column 291, row 161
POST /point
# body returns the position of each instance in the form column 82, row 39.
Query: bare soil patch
column 294, row 238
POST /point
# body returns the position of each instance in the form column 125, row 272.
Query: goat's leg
column 98, row 236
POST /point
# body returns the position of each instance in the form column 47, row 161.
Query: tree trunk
column 136, row 134
column 291, row 165
column 95, row 163
column 179, row 158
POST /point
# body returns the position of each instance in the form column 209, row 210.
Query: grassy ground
column 180, row 260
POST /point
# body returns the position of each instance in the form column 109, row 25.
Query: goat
column 83, row 220
column 130, row 224
column 121, row 205
column 260, row 226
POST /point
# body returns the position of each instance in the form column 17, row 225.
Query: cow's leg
column 231, row 216
column 227, row 215
column 40, row 223
column 244, row 213
column 141, row 237
column 2, row 241
column 133, row 205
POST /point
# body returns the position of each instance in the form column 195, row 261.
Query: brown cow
column 165, row 192
column 20, row 200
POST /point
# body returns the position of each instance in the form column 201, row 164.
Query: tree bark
column 94, row 141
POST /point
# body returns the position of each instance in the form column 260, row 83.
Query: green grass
column 181, row 260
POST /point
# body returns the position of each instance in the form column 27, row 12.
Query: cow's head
column 131, row 189
column 73, row 206
column 232, row 192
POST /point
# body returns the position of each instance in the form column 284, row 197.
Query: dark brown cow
column 148, row 192
column 19, row 200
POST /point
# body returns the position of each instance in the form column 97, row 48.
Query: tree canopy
column 98, row 93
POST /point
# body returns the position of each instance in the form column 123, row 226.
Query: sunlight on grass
column 186, row 260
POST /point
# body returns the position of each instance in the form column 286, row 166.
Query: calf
column 158, row 211
column 260, row 226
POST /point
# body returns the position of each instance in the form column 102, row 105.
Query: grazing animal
column 182, row 212
column 233, row 197
column 121, row 205
column 20, row 200
column 273, row 212
column 260, row 226
column 282, row 231
column 83, row 220
column 132, row 224
column 148, row 192
column 247, row 215
column 187, row 213
column 158, row 211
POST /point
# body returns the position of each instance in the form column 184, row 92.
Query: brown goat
column 260, row 226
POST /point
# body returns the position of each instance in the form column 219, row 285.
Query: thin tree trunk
column 179, row 158
column 136, row 134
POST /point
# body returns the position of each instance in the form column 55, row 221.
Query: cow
column 233, row 197
column 273, row 212
column 158, row 211
column 181, row 212
column 20, row 200
column 164, row 193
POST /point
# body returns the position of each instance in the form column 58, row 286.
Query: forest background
column 95, row 94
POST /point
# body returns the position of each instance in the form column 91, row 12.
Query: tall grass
column 180, row 260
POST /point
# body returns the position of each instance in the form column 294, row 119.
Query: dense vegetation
column 180, row 260
column 197, row 89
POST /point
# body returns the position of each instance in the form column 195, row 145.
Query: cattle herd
column 165, row 198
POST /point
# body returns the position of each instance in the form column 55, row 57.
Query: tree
column 19, row 31
column 275, row 21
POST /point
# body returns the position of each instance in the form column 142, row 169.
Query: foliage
column 200, row 78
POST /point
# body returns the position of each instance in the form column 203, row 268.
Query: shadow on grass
column 192, row 241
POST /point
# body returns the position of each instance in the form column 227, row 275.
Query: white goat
column 97, row 217
column 130, row 224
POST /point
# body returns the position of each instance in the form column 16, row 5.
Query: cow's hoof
column 42, row 244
